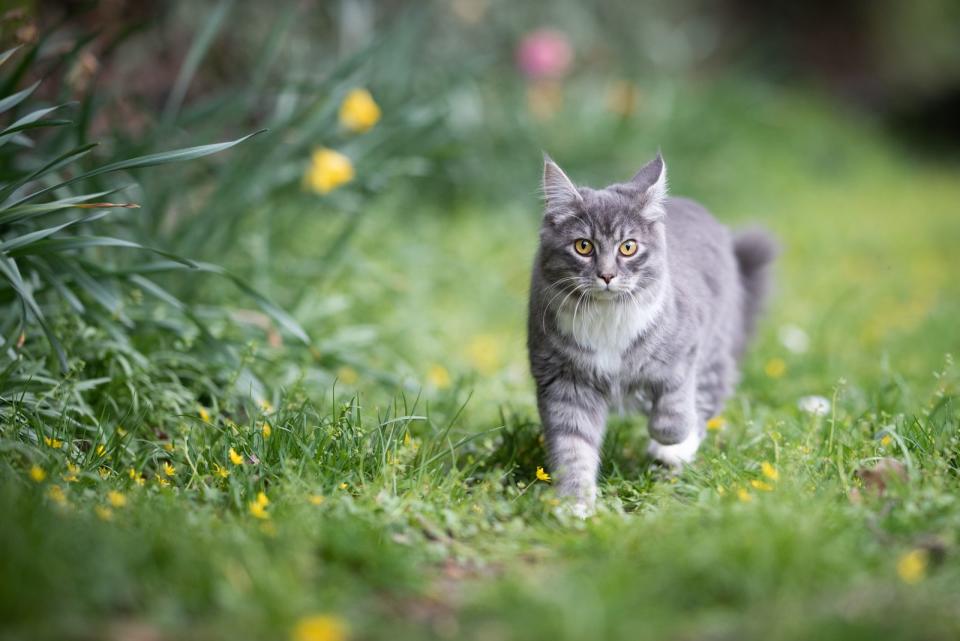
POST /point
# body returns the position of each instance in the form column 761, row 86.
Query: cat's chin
column 606, row 294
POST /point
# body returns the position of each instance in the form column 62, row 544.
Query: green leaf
column 31, row 238
column 13, row 100
column 9, row 270
column 9, row 52
column 26, row 212
column 85, row 242
column 150, row 160
column 53, row 165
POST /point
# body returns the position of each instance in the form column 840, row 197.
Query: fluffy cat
column 637, row 301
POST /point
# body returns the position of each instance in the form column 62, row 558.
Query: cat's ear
column 651, row 182
column 559, row 192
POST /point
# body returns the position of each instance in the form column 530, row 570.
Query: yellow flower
column 116, row 499
column 763, row 486
column 52, row 442
column 136, row 477
column 769, row 471
column 56, row 495
column 266, row 430
column 320, row 627
column 72, row 471
column 541, row 475
column 168, row 447
column 344, row 485
column 348, row 375
column 744, row 495
column 162, row 482
column 316, row 499
column 775, row 368
column 101, row 449
column 204, row 413
column 716, row 423
column 886, row 440
column 328, row 170
column 104, row 472
column 122, row 432
column 484, row 352
column 258, row 510
column 103, row 513
column 265, row 406
column 406, row 439
column 358, row 111
column 169, row 469
column 262, row 499
column 912, row 566
column 219, row 470
column 235, row 458
column 438, row 376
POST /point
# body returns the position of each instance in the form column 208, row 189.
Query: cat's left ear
column 651, row 181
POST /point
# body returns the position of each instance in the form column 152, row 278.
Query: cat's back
column 699, row 250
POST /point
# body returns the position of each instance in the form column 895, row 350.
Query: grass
column 400, row 475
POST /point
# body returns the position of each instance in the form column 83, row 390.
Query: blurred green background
column 278, row 387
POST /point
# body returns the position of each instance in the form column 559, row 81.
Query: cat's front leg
column 574, row 417
column 674, row 433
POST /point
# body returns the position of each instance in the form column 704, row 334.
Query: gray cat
column 637, row 301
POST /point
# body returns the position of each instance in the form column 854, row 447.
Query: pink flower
column 544, row 53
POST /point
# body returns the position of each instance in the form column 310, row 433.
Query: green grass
column 409, row 507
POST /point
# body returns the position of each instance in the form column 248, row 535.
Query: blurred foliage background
column 309, row 214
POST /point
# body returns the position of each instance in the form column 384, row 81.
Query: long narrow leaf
column 13, row 100
column 26, row 212
column 9, row 52
column 9, row 270
column 150, row 160
column 85, row 242
column 53, row 165
column 18, row 243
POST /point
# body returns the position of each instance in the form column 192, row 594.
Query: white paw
column 582, row 509
column 676, row 455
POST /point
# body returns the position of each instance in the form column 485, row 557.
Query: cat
column 638, row 301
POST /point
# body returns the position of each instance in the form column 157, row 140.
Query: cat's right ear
column 559, row 193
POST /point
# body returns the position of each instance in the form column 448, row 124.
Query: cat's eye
column 629, row 247
column 583, row 246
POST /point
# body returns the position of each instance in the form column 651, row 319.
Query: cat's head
column 606, row 243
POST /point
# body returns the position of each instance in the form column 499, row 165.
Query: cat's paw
column 582, row 509
column 676, row 455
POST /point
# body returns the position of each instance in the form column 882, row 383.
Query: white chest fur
column 605, row 329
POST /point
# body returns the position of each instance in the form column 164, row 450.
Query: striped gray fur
column 660, row 331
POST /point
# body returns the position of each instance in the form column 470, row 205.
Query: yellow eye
column 583, row 246
column 629, row 247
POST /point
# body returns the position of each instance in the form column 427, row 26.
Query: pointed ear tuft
column 651, row 181
column 558, row 190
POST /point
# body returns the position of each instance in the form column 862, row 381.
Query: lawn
column 383, row 482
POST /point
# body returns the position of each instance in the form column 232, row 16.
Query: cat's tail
column 755, row 250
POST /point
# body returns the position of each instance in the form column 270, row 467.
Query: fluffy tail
column 755, row 249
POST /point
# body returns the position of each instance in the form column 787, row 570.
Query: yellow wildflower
column 358, row 111
column 716, row 423
column 168, row 447
column 52, row 442
column 328, row 170
column 406, row 439
column 136, row 477
column 912, row 566
column 72, row 471
column 886, row 440
column 265, row 406
column 348, row 375
column 101, row 449
column 116, row 498
column 258, row 510
column 55, row 492
column 169, row 469
column 219, row 470
column 484, row 352
column 104, row 472
column 743, row 495
column 775, row 368
column 438, row 376
column 204, row 413
column 122, row 432
column 763, row 486
column 266, row 430
column 541, row 475
column 235, row 458
column 320, row 627
column 162, row 482
column 316, row 499
column 262, row 499
column 103, row 513
column 344, row 485
column 769, row 471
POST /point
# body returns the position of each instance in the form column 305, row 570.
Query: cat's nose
column 607, row 277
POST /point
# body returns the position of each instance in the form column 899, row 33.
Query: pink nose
column 607, row 278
